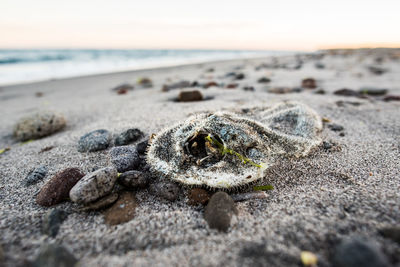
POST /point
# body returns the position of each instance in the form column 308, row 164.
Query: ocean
column 22, row 66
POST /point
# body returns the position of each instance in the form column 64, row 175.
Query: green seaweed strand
column 224, row 150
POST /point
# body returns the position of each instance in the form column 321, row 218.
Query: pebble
column 341, row 103
column 346, row 92
column 38, row 125
column 35, row 176
column 219, row 211
column 264, row 80
column 377, row 70
column 51, row 255
column 134, row 179
column 189, row 96
column 326, row 145
column 335, row 127
column 210, row 84
column 373, row 91
column 101, row 203
column 239, row 76
column 142, row 147
column 309, row 83
column 231, row 86
column 249, row 88
column 122, row 211
column 94, row 141
column 52, row 221
column 198, row 196
column 94, row 185
column 319, row 65
column 57, row 188
column 123, row 88
column 283, row 90
column 45, row 149
column 124, row 158
column 357, row 252
column 166, row 190
column 177, row 85
column 145, row 82
column 128, row 136
column 391, row 98
column 392, row 233
column 320, row 92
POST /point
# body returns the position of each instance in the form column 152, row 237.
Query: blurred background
column 46, row 39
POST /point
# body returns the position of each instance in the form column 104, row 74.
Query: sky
column 205, row 24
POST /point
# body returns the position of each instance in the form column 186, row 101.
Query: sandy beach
column 347, row 188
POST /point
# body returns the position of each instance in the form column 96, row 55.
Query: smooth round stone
column 38, row 125
column 94, row 141
column 122, row 211
column 57, row 188
column 167, row 190
column 219, row 211
column 189, row 96
column 128, row 136
column 124, row 158
column 52, row 221
column 134, row 179
column 54, row 255
column 94, row 185
column 35, row 176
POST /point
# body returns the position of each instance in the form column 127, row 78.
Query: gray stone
column 52, row 221
column 219, row 211
column 53, row 255
column 38, row 125
column 128, row 136
column 335, row 127
column 94, row 141
column 357, row 252
column 392, row 233
column 94, row 185
column 35, row 176
column 124, row 158
column 373, row 91
column 134, row 179
column 167, row 190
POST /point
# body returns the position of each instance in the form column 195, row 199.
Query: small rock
column 38, row 94
column 377, row 70
column 249, row 88
column 124, row 158
column 284, row 90
column 123, row 88
column 335, row 127
column 391, row 233
column 239, row 76
column 264, row 80
column 177, row 85
column 134, row 179
column 210, row 84
column 319, row 65
column 102, row 203
column 230, row 74
column 94, row 141
column 326, row 145
column 188, row 96
column 35, row 176
column 128, row 136
column 52, row 255
column 122, row 211
column 198, row 196
column 38, row 125
column 45, row 149
column 309, row 83
column 373, row 91
column 145, row 82
column 341, row 103
column 347, row 92
column 142, row 147
column 210, row 70
column 231, row 86
column 57, row 188
column 94, row 185
column 320, row 92
column 391, row 98
column 219, row 211
column 357, row 252
column 166, row 190
column 52, row 221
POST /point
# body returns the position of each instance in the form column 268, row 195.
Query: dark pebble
column 128, row 136
column 134, row 179
column 198, row 196
column 239, row 76
column 391, row 98
column 319, row 65
column 373, row 91
column 335, row 127
column 35, row 176
column 357, row 252
column 210, row 84
column 377, row 70
column 123, row 88
column 230, row 74
column 52, row 255
column 392, row 233
column 284, row 90
column 320, row 92
column 124, row 158
column 231, row 86
column 249, row 88
column 342, row 134
column 57, row 188
column 94, row 141
column 346, row 92
column 121, row 211
column 145, row 82
column 52, row 221
column 219, row 211
column 166, row 190
column 210, row 70
column 326, row 145
column 309, row 83
column 341, row 103
column 45, row 149
column 264, row 80
column 142, row 147
column 189, row 96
